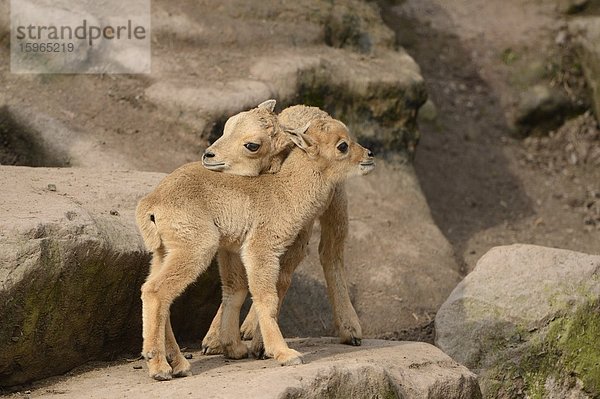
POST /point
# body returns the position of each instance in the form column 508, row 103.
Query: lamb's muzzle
column 208, row 164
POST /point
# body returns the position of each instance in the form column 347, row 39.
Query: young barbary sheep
column 193, row 213
column 254, row 143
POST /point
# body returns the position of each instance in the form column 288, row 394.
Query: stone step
column 377, row 369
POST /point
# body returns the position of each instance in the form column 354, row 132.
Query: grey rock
column 70, row 271
column 362, row 93
column 72, row 263
column 520, row 320
column 211, row 62
column 5, row 16
column 24, row 13
column 428, row 112
column 378, row 369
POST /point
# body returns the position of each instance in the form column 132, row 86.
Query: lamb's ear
column 300, row 138
column 269, row 104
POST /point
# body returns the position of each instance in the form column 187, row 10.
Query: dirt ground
column 486, row 188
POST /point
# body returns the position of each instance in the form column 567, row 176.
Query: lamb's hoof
column 289, row 357
column 208, row 350
column 182, row 374
column 293, row 362
column 162, row 376
column 351, row 336
column 246, row 333
column 258, row 350
column 354, row 341
column 211, row 346
column 181, row 367
column 159, row 369
column 236, row 351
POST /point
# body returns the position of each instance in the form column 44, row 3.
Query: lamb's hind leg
column 181, row 266
column 181, row 367
column 334, row 229
column 262, row 268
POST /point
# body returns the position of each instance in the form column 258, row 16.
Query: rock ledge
column 380, row 369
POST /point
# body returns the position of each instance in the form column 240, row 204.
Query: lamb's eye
column 343, row 147
column 252, row 147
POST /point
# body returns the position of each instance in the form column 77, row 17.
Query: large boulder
column 71, row 266
column 527, row 320
column 586, row 33
column 399, row 265
column 379, row 369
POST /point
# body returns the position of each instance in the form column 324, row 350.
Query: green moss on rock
column 565, row 351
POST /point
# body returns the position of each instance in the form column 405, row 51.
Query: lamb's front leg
column 262, row 268
column 235, row 290
column 180, row 365
column 211, row 344
column 334, row 229
column 288, row 264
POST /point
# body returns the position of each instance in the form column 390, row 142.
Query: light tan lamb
column 254, row 143
column 195, row 213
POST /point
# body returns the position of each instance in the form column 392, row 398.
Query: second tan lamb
column 253, row 143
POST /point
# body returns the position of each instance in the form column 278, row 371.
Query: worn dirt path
column 484, row 187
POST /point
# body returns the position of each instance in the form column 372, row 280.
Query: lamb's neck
column 304, row 188
column 278, row 160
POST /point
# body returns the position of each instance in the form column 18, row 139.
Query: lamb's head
column 327, row 142
column 250, row 143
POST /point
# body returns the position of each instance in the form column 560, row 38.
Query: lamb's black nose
column 208, row 154
column 370, row 154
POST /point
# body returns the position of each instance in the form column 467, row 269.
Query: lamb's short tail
column 146, row 221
